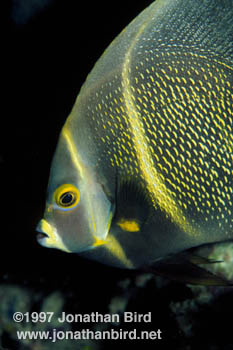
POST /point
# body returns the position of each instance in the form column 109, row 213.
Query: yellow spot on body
column 129, row 225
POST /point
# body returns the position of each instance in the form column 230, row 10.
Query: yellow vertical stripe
column 156, row 187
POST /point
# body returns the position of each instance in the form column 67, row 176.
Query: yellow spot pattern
column 169, row 122
column 192, row 133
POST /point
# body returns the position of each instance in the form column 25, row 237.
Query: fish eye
column 67, row 199
column 67, row 196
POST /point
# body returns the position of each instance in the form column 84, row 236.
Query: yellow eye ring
column 67, row 196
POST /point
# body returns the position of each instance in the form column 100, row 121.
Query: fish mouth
column 41, row 236
column 48, row 237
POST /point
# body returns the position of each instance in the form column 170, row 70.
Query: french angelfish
column 143, row 170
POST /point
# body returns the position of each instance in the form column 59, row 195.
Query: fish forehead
column 166, row 119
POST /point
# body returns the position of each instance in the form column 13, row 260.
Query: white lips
column 52, row 240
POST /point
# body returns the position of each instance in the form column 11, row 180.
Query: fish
column 142, row 175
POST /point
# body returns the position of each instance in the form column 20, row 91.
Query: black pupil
column 67, row 198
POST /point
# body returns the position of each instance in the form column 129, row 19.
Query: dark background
column 47, row 54
column 46, row 60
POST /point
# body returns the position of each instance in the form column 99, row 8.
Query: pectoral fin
column 133, row 207
column 197, row 259
column 184, row 268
